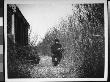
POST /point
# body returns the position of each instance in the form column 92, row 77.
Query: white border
column 57, row 79
column 1, row 21
column 1, row 49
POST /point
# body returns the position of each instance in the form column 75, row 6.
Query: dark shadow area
column 2, row 71
column 20, row 53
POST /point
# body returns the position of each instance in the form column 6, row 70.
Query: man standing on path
column 56, row 50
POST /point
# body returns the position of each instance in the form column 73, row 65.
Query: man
column 56, row 50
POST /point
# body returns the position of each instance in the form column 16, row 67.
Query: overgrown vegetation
column 82, row 37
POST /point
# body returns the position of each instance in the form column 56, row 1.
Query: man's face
column 56, row 42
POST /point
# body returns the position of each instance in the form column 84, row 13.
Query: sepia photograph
column 56, row 39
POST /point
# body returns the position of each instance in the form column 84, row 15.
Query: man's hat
column 56, row 40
